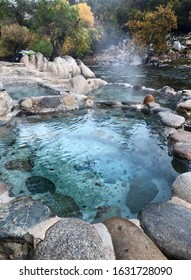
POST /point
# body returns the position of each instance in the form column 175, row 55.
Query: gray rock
column 184, row 108
column 171, row 119
column 6, row 103
column 62, row 205
column 85, row 71
column 38, row 184
column 20, row 214
column 78, row 84
column 17, row 217
column 169, row 226
column 142, row 192
column 50, row 102
column 130, row 242
column 2, row 88
column 18, row 164
column 167, row 92
column 182, row 186
column 179, row 201
column 182, row 150
column 106, row 240
column 27, row 104
column 181, row 136
column 70, row 239
column 187, row 125
column 95, row 83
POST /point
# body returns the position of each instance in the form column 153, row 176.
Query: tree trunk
column 56, row 50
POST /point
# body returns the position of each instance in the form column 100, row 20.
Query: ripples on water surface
column 92, row 156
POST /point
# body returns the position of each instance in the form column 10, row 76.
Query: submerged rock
column 169, row 226
column 142, row 192
column 18, row 164
column 38, row 184
column 105, row 212
column 62, row 205
column 71, row 239
column 130, row 242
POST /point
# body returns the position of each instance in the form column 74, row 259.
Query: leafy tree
column 16, row 36
column 80, row 41
column 86, row 14
column 17, row 11
column 152, row 27
column 56, row 20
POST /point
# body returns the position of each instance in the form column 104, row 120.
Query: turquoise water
column 19, row 90
column 95, row 156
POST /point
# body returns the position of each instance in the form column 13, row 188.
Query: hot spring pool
column 95, row 163
column 93, row 157
column 17, row 91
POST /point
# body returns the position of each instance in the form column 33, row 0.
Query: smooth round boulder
column 130, row 242
column 171, row 119
column 70, row 239
column 169, row 226
column 182, row 150
column 181, row 136
column 182, row 186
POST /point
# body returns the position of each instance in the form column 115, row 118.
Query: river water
column 109, row 161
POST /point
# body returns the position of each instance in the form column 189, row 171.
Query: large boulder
column 74, row 68
column 78, row 84
column 170, row 119
column 95, row 83
column 71, row 239
column 168, row 225
column 184, row 108
column 181, row 136
column 167, row 92
column 17, row 217
column 85, row 71
column 182, row 150
column 130, row 242
column 6, row 103
column 182, row 186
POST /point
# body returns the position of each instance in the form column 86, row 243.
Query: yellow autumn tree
column 86, row 15
column 80, row 41
column 152, row 27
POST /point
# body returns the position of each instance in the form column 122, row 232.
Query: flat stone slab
column 171, row 119
column 130, row 242
column 71, row 239
column 182, row 150
column 20, row 214
column 169, row 227
column 182, row 186
column 181, row 136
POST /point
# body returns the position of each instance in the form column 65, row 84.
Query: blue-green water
column 95, row 155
